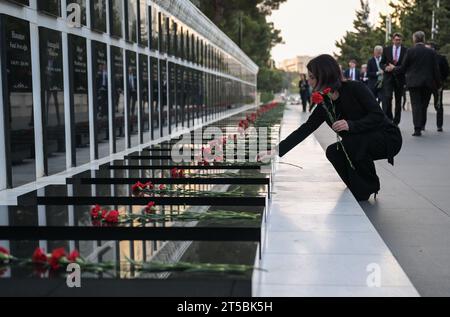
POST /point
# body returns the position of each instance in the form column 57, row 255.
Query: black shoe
column 423, row 129
column 440, row 130
column 417, row 133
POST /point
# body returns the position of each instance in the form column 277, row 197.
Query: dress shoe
column 417, row 133
column 440, row 130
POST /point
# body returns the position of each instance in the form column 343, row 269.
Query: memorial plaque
column 118, row 99
column 17, row 100
column 116, row 17
column 154, row 96
column 79, row 106
column 98, row 15
column 52, row 92
column 154, row 29
column 52, row 7
column 144, row 93
column 131, row 20
column 143, row 23
column 132, row 93
column 163, row 83
column 100, row 90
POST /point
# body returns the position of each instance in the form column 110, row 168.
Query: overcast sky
column 311, row 27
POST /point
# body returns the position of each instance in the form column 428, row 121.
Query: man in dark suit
column 438, row 94
column 422, row 77
column 393, row 84
column 352, row 73
column 375, row 73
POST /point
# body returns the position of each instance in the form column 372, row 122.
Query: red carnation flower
column 138, row 187
column 162, row 187
column 112, row 217
column 327, row 91
column 56, row 257
column 150, row 208
column 317, row 98
column 73, row 256
column 39, row 256
column 4, row 251
column 95, row 211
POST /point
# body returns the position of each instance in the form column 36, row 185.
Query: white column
column 110, row 79
column 67, row 118
column 90, row 100
column 37, row 103
column 66, row 76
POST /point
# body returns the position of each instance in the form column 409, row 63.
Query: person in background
column 422, row 77
column 438, row 94
column 363, row 76
column 393, row 83
column 352, row 73
column 304, row 92
column 375, row 74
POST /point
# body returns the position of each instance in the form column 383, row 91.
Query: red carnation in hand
column 112, row 217
column 73, row 256
column 56, row 257
column 317, row 98
column 327, row 91
column 39, row 256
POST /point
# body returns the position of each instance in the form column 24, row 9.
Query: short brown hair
column 397, row 34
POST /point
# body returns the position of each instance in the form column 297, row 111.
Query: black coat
column 372, row 70
column 359, row 108
column 387, row 59
column 421, row 68
column 357, row 75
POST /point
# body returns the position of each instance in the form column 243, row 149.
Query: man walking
column 375, row 73
column 438, row 94
column 393, row 84
column 422, row 76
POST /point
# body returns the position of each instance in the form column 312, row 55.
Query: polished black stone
column 98, row 15
column 17, row 100
column 79, row 107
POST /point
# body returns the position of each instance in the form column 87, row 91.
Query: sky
column 311, row 27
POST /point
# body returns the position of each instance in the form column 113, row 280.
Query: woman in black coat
column 367, row 134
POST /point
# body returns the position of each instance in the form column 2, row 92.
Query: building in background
column 296, row 65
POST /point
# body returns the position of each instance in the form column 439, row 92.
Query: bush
column 267, row 96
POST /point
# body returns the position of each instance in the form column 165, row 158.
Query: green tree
column 245, row 22
column 359, row 43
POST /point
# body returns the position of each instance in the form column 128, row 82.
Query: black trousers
column 363, row 150
column 438, row 96
column 420, row 98
column 393, row 88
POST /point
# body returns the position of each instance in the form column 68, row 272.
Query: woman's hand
column 340, row 126
column 266, row 156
